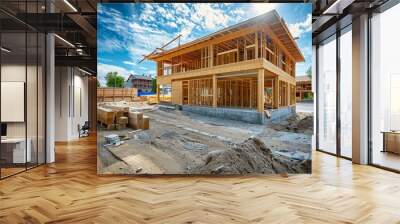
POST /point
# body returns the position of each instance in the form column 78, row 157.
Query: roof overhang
column 271, row 19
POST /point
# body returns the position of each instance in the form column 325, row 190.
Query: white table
column 18, row 144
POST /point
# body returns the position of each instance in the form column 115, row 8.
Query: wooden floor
column 69, row 191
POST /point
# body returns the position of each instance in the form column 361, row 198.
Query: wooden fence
column 116, row 94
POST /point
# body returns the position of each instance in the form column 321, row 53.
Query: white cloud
column 209, row 16
column 181, row 9
column 171, row 24
column 261, row 8
column 129, row 63
column 148, row 13
column 103, row 69
column 138, row 39
column 110, row 45
column 299, row 28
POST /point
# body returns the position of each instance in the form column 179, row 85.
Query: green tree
column 154, row 85
column 308, row 72
column 98, row 83
column 114, row 80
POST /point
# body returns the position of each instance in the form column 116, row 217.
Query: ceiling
column 73, row 22
column 329, row 14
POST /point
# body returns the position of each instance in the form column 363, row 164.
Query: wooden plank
column 260, row 91
column 146, row 122
column 135, row 120
column 256, row 45
column 176, row 95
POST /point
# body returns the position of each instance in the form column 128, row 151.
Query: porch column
column 260, row 91
column 276, row 92
column 288, row 93
column 158, row 93
column 215, row 90
column 256, row 45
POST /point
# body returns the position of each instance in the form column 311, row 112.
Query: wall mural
column 201, row 88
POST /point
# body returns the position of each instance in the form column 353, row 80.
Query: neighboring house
column 250, row 65
column 303, row 87
column 140, row 82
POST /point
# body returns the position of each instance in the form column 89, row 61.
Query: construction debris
column 251, row 156
column 299, row 123
column 112, row 139
column 185, row 143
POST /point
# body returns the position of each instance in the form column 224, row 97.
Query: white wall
column 71, row 102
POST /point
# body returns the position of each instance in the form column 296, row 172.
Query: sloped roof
column 271, row 18
column 140, row 77
column 303, row 78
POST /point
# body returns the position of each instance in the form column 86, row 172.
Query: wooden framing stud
column 215, row 91
column 158, row 93
column 260, row 88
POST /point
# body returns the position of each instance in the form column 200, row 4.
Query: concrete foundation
column 245, row 115
column 281, row 113
column 249, row 116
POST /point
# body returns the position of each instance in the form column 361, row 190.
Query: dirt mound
column 251, row 156
column 299, row 123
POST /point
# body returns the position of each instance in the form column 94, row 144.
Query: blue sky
column 127, row 31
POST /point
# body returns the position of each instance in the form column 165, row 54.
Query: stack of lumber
column 122, row 122
column 105, row 116
column 152, row 100
column 146, row 123
column 135, row 120
column 116, row 117
column 122, row 108
column 115, row 94
column 163, row 98
column 138, row 121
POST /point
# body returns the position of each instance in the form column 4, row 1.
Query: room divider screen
column 22, row 77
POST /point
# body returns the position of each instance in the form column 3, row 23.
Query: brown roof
column 272, row 18
column 303, row 78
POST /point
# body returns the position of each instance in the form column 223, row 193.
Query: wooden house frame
column 250, row 65
column 303, row 86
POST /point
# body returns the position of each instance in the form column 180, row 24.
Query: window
column 22, row 76
column 327, row 95
column 346, row 93
column 385, row 89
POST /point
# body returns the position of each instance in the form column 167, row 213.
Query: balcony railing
column 229, row 57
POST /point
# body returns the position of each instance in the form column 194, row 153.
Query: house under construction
column 237, row 72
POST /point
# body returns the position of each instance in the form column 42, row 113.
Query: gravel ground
column 185, row 143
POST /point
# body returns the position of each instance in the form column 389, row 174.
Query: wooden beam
column 276, row 92
column 256, row 45
column 288, row 94
column 226, row 52
column 260, row 91
column 158, row 93
column 215, row 91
